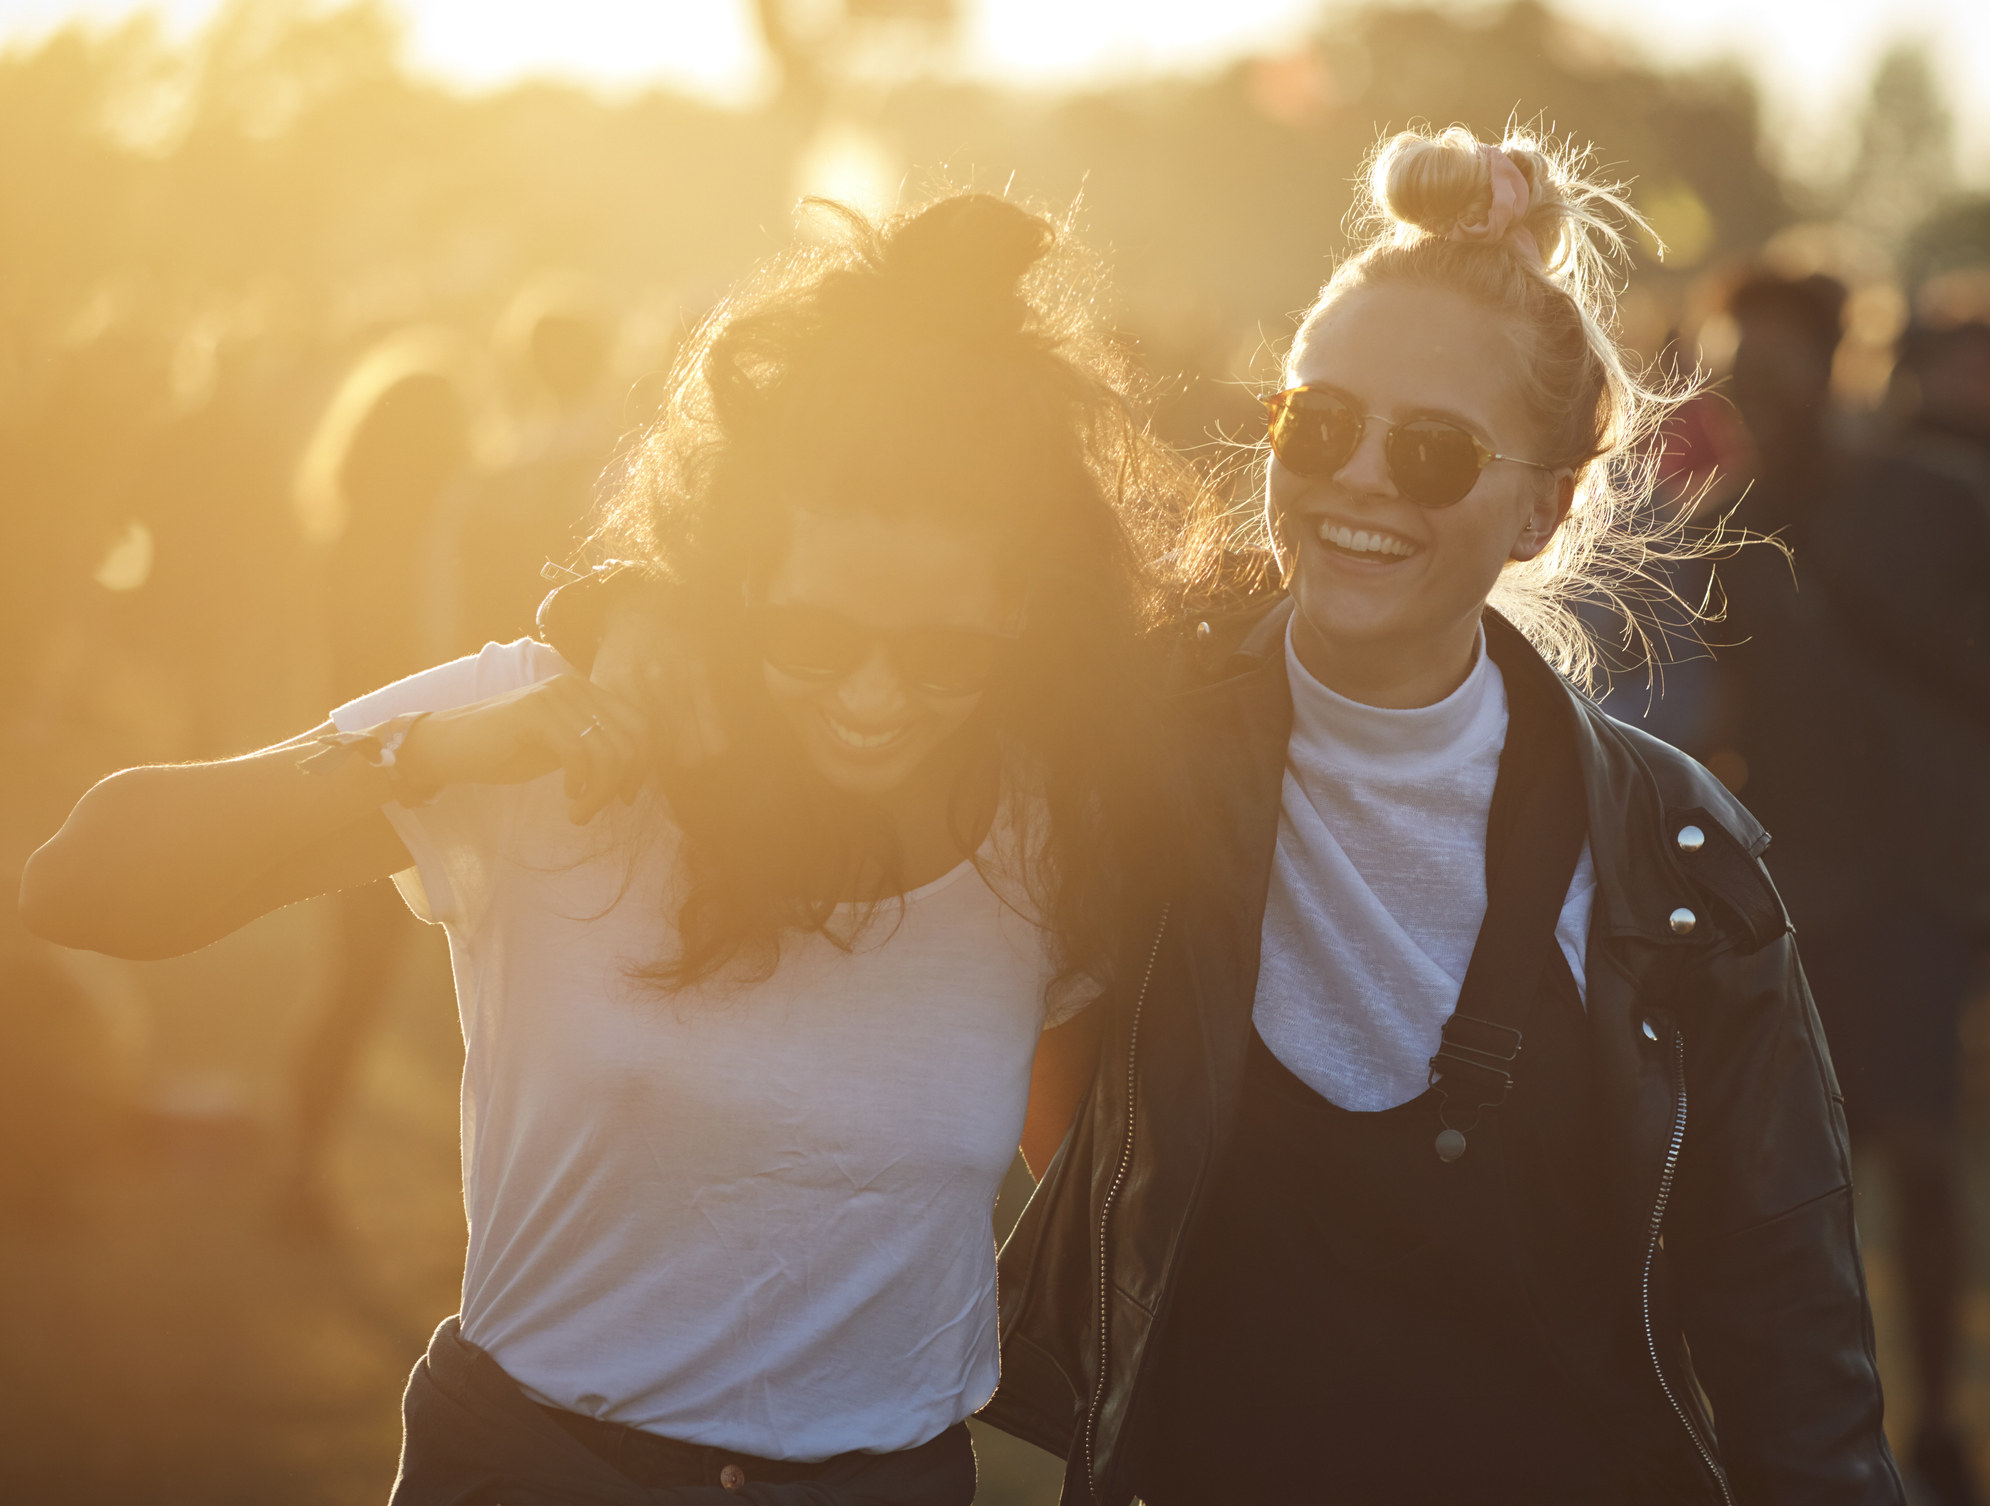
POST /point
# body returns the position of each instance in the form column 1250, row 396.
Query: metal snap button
column 1650, row 1031
column 732, row 1477
column 1691, row 839
column 1682, row 921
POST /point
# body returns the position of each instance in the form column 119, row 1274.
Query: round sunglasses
column 812, row 643
column 1315, row 432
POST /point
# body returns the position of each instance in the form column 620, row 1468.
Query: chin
column 1341, row 616
column 863, row 784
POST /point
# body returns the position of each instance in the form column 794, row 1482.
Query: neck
column 1395, row 676
column 922, row 814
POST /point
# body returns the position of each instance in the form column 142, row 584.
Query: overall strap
column 1534, row 837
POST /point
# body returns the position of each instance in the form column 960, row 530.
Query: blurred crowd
column 220, row 536
column 240, row 483
column 1846, row 697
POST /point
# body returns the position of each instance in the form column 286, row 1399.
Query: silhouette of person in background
column 555, row 342
column 56, row 1090
column 371, row 492
column 1923, row 603
column 1792, row 740
column 1849, row 691
column 216, row 478
column 1668, row 682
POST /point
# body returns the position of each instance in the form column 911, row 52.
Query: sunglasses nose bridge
column 1367, row 469
column 874, row 686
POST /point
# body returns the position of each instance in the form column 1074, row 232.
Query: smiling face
column 1389, row 593
column 870, row 731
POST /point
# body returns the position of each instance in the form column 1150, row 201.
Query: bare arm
column 1065, row 1061
column 158, row 861
column 154, row 862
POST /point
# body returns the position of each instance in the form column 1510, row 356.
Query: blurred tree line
column 287, row 144
column 242, row 212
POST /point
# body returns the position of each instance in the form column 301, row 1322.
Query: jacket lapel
column 1237, row 734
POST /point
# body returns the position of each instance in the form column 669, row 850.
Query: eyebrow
column 1449, row 415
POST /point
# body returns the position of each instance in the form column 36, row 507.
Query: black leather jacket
column 1721, row 1117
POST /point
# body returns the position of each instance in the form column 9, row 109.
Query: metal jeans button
column 732, row 1477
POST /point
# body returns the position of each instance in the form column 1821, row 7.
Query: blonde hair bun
column 1424, row 183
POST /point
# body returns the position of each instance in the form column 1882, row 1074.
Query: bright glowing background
column 1813, row 57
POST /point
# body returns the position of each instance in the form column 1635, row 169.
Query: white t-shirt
column 758, row 1218
column 1379, row 884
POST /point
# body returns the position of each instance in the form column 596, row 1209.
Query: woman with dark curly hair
column 749, row 1050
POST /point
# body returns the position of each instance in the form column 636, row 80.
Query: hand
column 566, row 723
column 645, row 659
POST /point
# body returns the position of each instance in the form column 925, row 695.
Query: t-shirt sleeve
column 1572, row 928
column 453, row 838
column 1067, row 998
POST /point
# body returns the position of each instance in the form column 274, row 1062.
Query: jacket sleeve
column 1044, row 1291
column 1761, row 1244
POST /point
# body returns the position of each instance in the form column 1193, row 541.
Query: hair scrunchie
column 1502, row 219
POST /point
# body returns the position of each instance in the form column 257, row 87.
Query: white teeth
column 855, row 739
column 1361, row 541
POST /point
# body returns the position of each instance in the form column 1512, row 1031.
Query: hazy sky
column 1812, row 56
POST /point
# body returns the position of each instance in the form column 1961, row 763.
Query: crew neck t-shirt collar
column 1378, row 883
column 1363, row 740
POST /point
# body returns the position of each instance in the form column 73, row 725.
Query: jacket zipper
column 1112, row 1195
column 1651, row 1255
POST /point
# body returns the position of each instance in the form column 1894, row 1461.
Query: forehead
column 1404, row 350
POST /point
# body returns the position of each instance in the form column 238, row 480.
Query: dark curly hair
column 948, row 363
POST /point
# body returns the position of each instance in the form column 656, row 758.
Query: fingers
column 618, row 749
column 597, row 739
column 705, row 733
column 562, row 725
column 689, row 729
column 648, row 661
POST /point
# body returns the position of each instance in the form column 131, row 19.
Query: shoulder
column 1213, row 651
column 1678, row 857
column 496, row 669
column 1679, row 779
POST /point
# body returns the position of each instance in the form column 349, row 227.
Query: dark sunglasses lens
column 809, row 645
column 948, row 661
column 1314, row 433
column 1433, row 463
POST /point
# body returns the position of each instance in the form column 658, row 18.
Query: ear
column 1546, row 515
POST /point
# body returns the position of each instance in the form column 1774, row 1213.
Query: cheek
column 1479, row 533
column 796, row 700
column 1282, row 491
column 949, row 716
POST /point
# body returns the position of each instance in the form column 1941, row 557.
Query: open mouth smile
column 1370, row 544
column 857, row 740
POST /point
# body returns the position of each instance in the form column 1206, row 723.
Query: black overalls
column 1352, row 1322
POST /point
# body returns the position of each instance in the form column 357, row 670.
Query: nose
column 1367, row 470
column 872, row 692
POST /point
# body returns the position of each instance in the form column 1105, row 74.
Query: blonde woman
column 1472, row 1080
